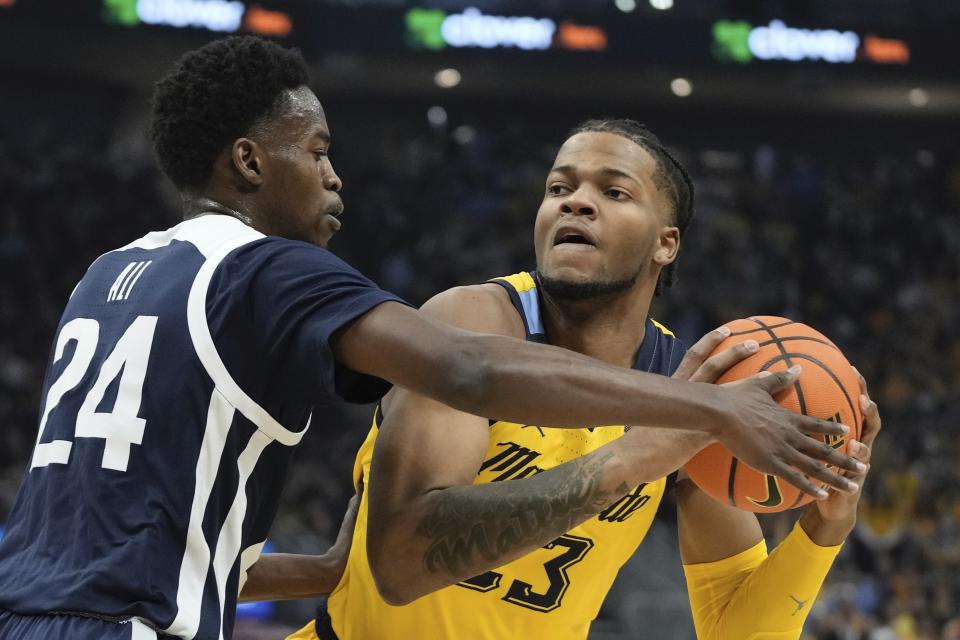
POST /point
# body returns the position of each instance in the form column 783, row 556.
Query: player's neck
column 195, row 205
column 609, row 328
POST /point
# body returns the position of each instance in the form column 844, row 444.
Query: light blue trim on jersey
column 531, row 309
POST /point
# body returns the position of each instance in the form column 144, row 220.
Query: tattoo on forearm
column 506, row 516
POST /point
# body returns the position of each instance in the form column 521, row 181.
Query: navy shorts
column 64, row 627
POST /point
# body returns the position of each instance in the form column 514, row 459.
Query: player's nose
column 578, row 203
column 331, row 181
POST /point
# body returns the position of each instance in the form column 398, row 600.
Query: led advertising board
column 610, row 36
column 739, row 41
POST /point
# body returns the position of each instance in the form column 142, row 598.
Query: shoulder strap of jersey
column 662, row 328
column 660, row 352
column 522, row 288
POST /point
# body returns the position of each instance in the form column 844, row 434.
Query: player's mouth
column 574, row 235
column 331, row 216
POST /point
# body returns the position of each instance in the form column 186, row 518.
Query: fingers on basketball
column 828, row 390
column 699, row 352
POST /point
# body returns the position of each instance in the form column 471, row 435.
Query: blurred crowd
column 858, row 238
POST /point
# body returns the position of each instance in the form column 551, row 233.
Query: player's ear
column 247, row 158
column 669, row 246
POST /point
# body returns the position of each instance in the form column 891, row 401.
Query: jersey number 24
column 119, row 428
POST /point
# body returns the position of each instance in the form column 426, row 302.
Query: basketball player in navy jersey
column 189, row 363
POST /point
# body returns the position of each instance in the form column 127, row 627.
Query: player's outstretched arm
column 429, row 526
column 735, row 589
column 511, row 379
column 290, row 576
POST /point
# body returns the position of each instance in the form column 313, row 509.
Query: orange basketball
column 827, row 388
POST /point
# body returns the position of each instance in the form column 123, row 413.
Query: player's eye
column 617, row 194
column 319, row 154
column 557, row 189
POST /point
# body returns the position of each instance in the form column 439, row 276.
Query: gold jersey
column 554, row 592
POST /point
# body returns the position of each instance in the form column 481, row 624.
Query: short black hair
column 215, row 95
column 669, row 177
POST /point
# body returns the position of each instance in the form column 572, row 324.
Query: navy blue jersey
column 185, row 369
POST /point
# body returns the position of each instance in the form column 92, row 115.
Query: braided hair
column 669, row 177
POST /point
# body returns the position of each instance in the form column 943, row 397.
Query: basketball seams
column 778, row 341
column 825, row 343
column 732, row 481
column 837, row 381
column 763, row 328
column 775, row 339
column 833, row 377
column 843, row 389
column 802, row 348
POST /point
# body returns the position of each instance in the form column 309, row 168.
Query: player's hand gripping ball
column 827, row 388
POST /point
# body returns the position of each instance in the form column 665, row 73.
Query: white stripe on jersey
column 125, row 294
column 247, row 557
column 140, row 631
column 206, row 232
column 118, row 283
column 207, row 351
column 125, row 286
column 196, row 557
column 231, row 534
column 215, row 236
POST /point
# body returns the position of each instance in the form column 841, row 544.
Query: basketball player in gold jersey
column 484, row 529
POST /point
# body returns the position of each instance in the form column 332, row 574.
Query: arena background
column 823, row 137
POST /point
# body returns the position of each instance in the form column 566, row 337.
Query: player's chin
column 323, row 233
column 580, row 264
column 321, row 237
column 571, row 274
